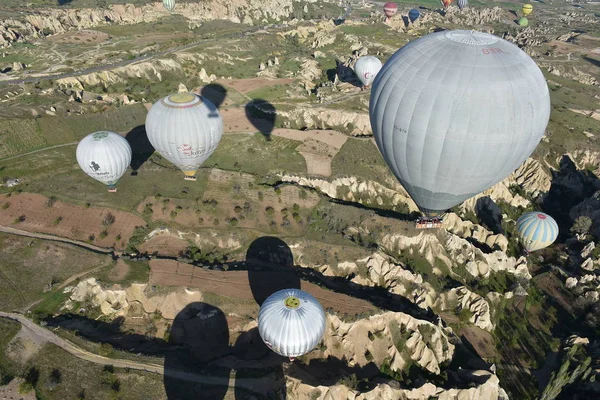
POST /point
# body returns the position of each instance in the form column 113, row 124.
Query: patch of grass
column 255, row 154
column 139, row 272
column 360, row 158
column 8, row 330
column 270, row 93
column 96, row 381
column 32, row 265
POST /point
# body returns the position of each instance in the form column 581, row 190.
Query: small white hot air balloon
column 185, row 129
column 104, row 156
column 366, row 69
column 291, row 322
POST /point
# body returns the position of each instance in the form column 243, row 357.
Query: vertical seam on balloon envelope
column 418, row 176
column 444, row 142
column 423, row 194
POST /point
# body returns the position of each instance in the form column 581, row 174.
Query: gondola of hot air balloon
column 366, row 69
column 169, row 4
column 454, row 113
column 389, row 9
column 523, row 21
column 291, row 322
column 104, row 156
column 527, row 9
column 536, row 230
column 185, row 129
column 462, row 3
column 413, row 15
column 446, row 3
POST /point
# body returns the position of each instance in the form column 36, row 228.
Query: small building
column 12, row 182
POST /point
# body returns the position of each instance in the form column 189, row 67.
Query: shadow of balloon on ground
column 141, row 149
column 570, row 186
column 64, row 2
column 199, row 335
column 346, row 74
column 272, row 269
column 215, row 93
column 262, row 115
column 489, row 213
column 250, row 348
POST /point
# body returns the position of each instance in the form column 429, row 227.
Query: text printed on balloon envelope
column 492, row 50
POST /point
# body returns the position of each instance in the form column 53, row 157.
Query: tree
column 55, row 376
column 109, row 219
column 581, row 226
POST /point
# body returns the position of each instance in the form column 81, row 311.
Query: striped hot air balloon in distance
column 527, row 9
column 291, row 322
column 104, row 156
column 169, row 4
column 462, row 3
column 389, row 9
column 536, row 230
column 446, row 3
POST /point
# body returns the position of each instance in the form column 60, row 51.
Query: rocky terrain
column 452, row 313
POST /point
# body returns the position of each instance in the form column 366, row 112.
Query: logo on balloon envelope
column 541, row 216
column 187, row 150
column 367, row 75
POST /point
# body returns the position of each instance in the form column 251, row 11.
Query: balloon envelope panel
column 536, row 230
column 291, row 322
column 366, row 69
column 185, row 129
column 169, row 4
column 455, row 112
column 104, row 156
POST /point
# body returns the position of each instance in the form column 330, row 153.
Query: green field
column 360, row 158
column 28, row 266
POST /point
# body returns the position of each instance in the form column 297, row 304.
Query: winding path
column 87, row 246
column 260, row 385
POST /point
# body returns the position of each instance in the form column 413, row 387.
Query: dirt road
column 260, row 385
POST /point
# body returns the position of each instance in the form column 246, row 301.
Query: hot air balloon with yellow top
column 291, row 322
column 527, row 9
column 184, row 128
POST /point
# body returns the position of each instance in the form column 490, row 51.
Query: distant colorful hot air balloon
column 446, row 3
column 390, row 9
column 413, row 15
column 460, row 119
column 291, row 322
column 169, row 4
column 185, row 129
column 366, row 69
column 104, row 156
column 523, row 21
column 536, row 230
column 462, row 3
column 527, row 9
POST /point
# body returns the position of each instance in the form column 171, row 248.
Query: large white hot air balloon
column 185, row 129
column 104, row 156
column 455, row 112
column 366, row 69
column 291, row 322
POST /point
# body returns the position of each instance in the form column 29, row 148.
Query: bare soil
column 236, row 284
column 67, row 220
column 481, row 340
column 119, row 271
column 165, row 245
column 80, row 37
